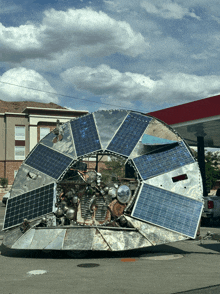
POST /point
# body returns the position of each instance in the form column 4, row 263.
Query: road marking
column 128, row 259
column 36, row 272
column 161, row 256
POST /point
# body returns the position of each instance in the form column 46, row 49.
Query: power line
column 68, row 96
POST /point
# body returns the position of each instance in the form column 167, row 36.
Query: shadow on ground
column 210, row 223
column 58, row 254
column 214, row 247
column 206, row 290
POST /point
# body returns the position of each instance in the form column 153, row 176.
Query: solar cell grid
column 129, row 134
column 29, row 205
column 154, row 164
column 85, row 135
column 48, row 161
column 168, row 210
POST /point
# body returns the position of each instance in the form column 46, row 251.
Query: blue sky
column 143, row 55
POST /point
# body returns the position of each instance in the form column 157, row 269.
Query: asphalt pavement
column 190, row 266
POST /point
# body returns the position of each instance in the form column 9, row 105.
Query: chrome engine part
column 89, row 202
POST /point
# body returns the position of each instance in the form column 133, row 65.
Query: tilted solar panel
column 48, row 161
column 168, row 210
column 154, row 164
column 85, row 135
column 129, row 134
column 30, row 205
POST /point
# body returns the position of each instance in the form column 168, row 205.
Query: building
column 22, row 125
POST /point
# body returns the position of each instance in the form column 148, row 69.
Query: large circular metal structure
column 144, row 189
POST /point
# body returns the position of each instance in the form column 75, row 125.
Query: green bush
column 4, row 182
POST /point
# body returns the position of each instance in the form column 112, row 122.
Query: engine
column 84, row 198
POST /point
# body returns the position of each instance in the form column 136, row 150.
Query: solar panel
column 151, row 165
column 48, row 161
column 30, row 205
column 168, row 210
column 129, row 134
column 85, row 135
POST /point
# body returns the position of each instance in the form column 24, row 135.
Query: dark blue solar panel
column 168, row 210
column 48, row 161
column 29, row 205
column 154, row 164
column 129, row 134
column 85, row 135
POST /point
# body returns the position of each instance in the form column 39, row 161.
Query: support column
column 97, row 163
column 201, row 161
column 5, row 155
column 32, row 136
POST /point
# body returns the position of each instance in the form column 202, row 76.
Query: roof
column 19, row 106
column 27, row 109
column 199, row 109
column 53, row 111
column 195, row 119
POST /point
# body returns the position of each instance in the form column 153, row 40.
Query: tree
column 4, row 182
column 212, row 168
column 212, row 162
column 115, row 168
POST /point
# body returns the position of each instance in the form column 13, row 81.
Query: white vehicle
column 211, row 207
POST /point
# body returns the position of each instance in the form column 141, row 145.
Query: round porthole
column 123, row 194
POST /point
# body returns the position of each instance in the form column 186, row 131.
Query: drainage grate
column 88, row 265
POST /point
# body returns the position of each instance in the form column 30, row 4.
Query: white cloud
column 70, row 108
column 104, row 80
column 94, row 32
column 125, row 89
column 74, row 109
column 167, row 9
column 25, row 78
column 114, row 88
column 83, row 31
column 188, row 86
column 24, row 37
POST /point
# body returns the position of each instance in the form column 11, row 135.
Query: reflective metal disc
column 123, row 194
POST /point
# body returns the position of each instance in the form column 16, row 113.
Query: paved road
column 182, row 267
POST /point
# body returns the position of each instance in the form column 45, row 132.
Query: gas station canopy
column 195, row 120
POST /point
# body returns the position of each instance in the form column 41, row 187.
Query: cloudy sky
column 143, row 55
